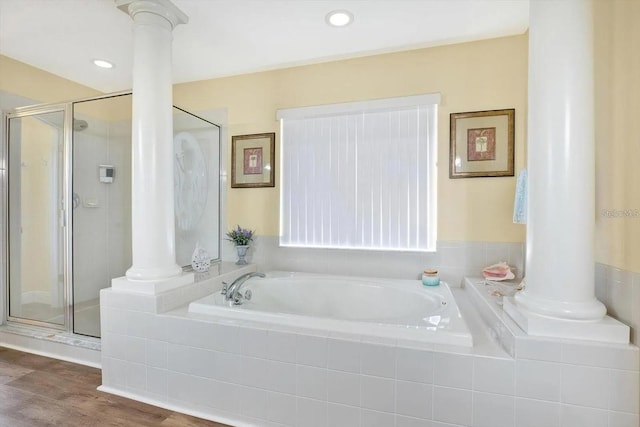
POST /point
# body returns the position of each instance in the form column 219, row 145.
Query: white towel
column 520, row 203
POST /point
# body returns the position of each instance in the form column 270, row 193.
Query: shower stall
column 67, row 205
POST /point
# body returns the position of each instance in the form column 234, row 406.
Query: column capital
column 163, row 8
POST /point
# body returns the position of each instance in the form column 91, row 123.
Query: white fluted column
column 153, row 229
column 561, row 167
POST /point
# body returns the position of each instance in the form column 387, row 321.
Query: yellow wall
column 21, row 79
column 617, row 127
column 484, row 75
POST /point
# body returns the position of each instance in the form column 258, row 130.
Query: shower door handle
column 63, row 218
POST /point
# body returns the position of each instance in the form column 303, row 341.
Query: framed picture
column 482, row 144
column 253, row 160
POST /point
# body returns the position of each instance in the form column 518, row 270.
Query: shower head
column 80, row 125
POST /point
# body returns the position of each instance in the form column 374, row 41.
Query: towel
column 520, row 203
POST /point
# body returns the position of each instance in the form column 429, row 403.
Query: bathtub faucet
column 232, row 291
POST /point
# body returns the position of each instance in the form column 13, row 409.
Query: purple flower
column 240, row 236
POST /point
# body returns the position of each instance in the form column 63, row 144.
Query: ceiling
column 229, row 37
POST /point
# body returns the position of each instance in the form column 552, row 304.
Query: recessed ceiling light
column 339, row 18
column 102, row 63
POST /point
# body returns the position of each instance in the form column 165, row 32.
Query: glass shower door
column 36, row 217
column 101, row 205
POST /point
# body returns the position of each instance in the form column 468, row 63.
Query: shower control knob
column 247, row 295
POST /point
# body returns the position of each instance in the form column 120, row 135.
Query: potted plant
column 241, row 237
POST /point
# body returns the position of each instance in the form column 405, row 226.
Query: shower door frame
column 66, row 203
column 63, row 211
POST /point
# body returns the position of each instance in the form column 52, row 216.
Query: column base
column 151, row 287
column 606, row 329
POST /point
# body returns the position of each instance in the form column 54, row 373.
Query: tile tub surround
column 619, row 291
column 244, row 374
column 453, row 259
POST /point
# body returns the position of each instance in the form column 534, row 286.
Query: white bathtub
column 397, row 309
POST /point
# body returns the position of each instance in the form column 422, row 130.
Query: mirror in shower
column 35, row 214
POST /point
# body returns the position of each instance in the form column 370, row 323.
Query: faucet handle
column 225, row 288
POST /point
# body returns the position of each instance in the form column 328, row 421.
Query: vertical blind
column 360, row 175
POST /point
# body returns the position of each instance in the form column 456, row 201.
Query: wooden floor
column 38, row 391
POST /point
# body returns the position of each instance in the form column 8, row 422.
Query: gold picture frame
column 253, row 160
column 482, row 144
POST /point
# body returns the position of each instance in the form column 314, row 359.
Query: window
column 360, row 175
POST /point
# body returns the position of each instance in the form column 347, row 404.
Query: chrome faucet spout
column 232, row 293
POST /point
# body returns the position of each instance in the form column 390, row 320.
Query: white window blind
column 360, row 175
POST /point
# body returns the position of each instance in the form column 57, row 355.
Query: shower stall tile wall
column 249, row 374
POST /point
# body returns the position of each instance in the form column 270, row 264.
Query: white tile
column 114, row 320
column 476, row 254
column 497, row 252
column 404, row 421
column 452, row 405
column 282, row 346
column 579, row 416
column 254, row 342
column 453, row 276
column 136, row 350
column 635, row 302
column 311, row 350
column 414, row 399
column 282, row 408
column 451, row 256
column 311, row 382
column 517, row 257
column 493, row 410
column 378, row 360
column 371, row 418
column 537, row 413
column 118, row 375
column 623, row 419
column 494, row 375
column 178, row 358
column 538, row 380
column 414, row 365
column 586, row 386
column 599, row 355
column 619, row 298
column 224, row 396
column 115, row 346
column 224, row 338
column 256, row 402
column 203, row 362
column 157, row 382
column 538, row 349
column 453, row 370
column 311, row 413
column 624, row 393
column 343, row 387
column 136, row 377
column 282, row 377
column 187, row 331
column 343, row 355
column 342, row 415
column 156, row 353
column 255, row 372
column 228, row 367
column 138, row 323
column 156, row 328
column 377, row 393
